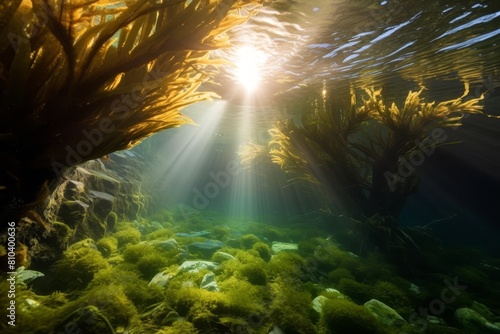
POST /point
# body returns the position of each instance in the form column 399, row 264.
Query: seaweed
column 83, row 79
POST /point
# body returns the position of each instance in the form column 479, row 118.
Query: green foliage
column 391, row 295
column 291, row 308
column 343, row 316
column 178, row 327
column 112, row 301
column 287, row 265
column 348, row 151
column 135, row 288
column 149, row 260
column 77, row 267
column 219, row 232
column 254, row 274
column 358, row 292
column 263, row 250
column 160, row 234
column 107, row 246
column 128, row 236
column 151, row 264
column 248, row 240
column 336, row 275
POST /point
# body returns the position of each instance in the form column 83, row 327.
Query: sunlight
column 248, row 63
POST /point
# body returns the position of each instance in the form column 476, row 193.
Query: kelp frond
column 105, row 73
column 349, row 151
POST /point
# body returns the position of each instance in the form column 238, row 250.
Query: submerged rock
column 195, row 266
column 27, row 276
column 168, row 244
column 385, row 314
column 161, row 279
column 208, row 282
column 317, row 303
column 193, row 234
column 224, row 256
column 475, row 322
column 208, row 245
column 278, row 246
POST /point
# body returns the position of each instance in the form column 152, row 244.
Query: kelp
column 358, row 153
column 81, row 79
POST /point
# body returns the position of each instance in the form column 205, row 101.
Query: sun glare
column 248, row 63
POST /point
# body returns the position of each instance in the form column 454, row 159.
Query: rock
column 193, row 234
column 205, row 248
column 224, row 256
column 278, row 246
column 208, row 282
column 85, row 243
column 161, row 279
column 483, row 310
column 27, row 276
column 102, row 203
column 72, row 213
column 317, row 303
column 385, row 314
column 195, row 266
column 168, row 244
column 29, row 304
column 99, row 180
column 74, row 189
column 276, row 330
column 414, row 288
column 474, row 322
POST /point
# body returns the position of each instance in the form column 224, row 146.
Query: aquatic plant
column 354, row 153
column 77, row 267
column 135, row 288
column 358, row 292
column 81, row 79
column 290, row 308
column 358, row 155
column 127, row 236
column 107, row 246
column 263, row 250
column 254, row 274
column 343, row 316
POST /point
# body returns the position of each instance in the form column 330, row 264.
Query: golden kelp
column 355, row 153
column 83, row 78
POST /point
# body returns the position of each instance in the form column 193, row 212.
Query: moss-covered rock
column 112, row 301
column 128, row 236
column 263, row 250
column 343, row 316
column 77, row 267
column 254, row 274
column 358, row 292
column 336, row 275
column 248, row 240
column 107, row 246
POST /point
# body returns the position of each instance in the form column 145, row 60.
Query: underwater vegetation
column 82, row 79
column 361, row 155
column 157, row 285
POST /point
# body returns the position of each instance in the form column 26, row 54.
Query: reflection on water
column 368, row 42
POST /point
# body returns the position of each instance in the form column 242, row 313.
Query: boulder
column 161, row 279
column 474, row 322
column 208, row 282
column 278, row 246
column 385, row 314
column 195, row 266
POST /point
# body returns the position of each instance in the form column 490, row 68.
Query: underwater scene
column 250, row 166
